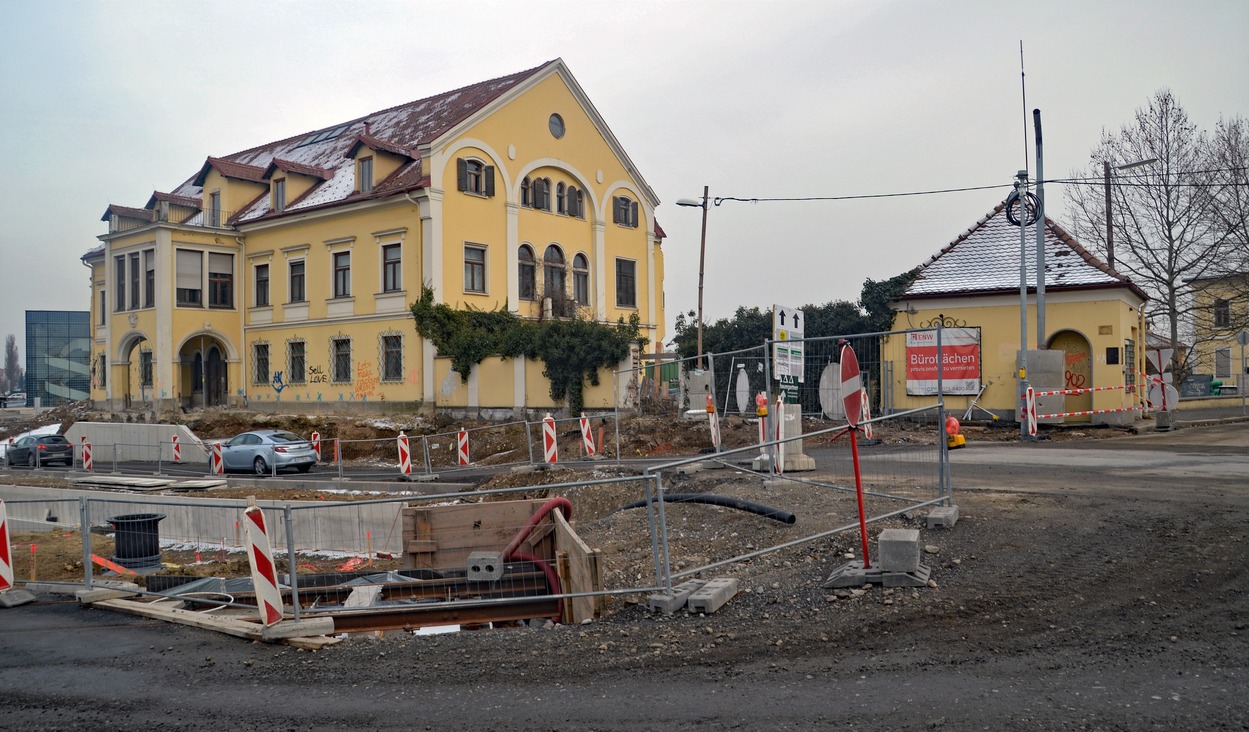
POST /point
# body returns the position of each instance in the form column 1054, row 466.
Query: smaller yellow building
column 971, row 288
column 1221, row 305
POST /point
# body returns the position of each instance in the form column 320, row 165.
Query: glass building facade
column 58, row 356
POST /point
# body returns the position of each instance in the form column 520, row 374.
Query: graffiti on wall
column 366, row 381
column 1077, row 370
column 317, row 375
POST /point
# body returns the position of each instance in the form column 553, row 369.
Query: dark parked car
column 42, row 450
column 259, row 450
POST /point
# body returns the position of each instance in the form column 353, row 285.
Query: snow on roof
column 985, row 259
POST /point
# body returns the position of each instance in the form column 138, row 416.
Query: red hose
column 511, row 552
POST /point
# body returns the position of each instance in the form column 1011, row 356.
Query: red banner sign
column 960, row 358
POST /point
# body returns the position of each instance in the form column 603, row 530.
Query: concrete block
column 364, row 596
column 918, row 578
column 942, row 517
column 853, row 574
column 13, row 598
column 898, row 550
column 300, row 629
column 86, row 597
column 689, row 469
column 484, row 567
column 713, row 595
column 669, row 604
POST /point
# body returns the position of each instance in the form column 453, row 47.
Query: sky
column 105, row 102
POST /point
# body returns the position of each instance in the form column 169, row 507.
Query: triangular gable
column 229, row 169
column 288, row 166
column 375, row 144
column 184, row 201
column 985, row 260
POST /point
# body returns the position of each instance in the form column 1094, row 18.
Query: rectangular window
column 149, row 278
column 626, row 283
column 103, row 307
column 341, row 348
column 120, row 280
column 474, row 269
column 134, row 281
column 145, row 368
column 279, row 195
column 392, row 358
column 581, row 286
column 190, row 277
column 342, row 274
column 221, row 280
column 214, row 209
column 624, row 211
column 101, row 370
column 260, row 363
column 297, row 281
column 1222, row 313
column 295, row 362
column 392, row 268
column 1222, row 363
column 262, row 285
column 366, row 175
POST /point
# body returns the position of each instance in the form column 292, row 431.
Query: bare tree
column 12, row 367
column 1229, row 146
column 1162, row 215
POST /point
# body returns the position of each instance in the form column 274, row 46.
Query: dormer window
column 475, row 177
column 279, row 195
column 364, row 175
column 213, row 213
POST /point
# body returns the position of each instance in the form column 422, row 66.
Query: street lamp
column 1110, row 228
column 702, row 253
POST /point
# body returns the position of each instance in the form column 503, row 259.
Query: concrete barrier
column 138, row 441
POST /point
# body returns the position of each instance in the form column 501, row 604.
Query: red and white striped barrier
column 264, row 575
column 217, row 465
column 1030, row 410
column 6, row 558
column 461, row 447
column 1085, row 390
column 405, row 455
column 316, row 445
column 1032, row 416
column 87, row 463
column 550, row 449
column 714, row 420
column 865, row 417
column 177, row 450
column 338, row 450
column 761, row 411
column 587, row 436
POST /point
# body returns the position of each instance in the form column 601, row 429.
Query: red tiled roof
column 229, row 169
column 288, row 166
column 142, row 214
column 374, row 143
column 186, row 201
column 659, row 232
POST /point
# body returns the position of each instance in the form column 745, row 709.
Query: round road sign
column 851, row 386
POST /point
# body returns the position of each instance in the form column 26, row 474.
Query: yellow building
column 1221, row 306
column 1093, row 315
column 281, row 276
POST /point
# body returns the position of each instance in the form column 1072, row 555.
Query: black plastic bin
column 137, row 540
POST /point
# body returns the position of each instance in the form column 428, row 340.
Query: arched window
column 526, row 192
column 575, row 202
column 553, row 273
column 526, row 271
column 546, row 195
column 559, row 199
column 581, row 279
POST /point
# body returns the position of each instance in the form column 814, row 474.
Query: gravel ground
column 1086, row 586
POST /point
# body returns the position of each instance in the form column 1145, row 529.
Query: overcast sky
column 106, row 102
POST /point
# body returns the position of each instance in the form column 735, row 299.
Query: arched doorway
column 214, row 378
column 135, row 385
column 203, row 371
column 1077, row 371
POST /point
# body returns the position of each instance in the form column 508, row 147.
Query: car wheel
column 305, row 468
column 30, row 460
column 259, row 467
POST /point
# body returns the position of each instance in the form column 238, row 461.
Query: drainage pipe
column 775, row 514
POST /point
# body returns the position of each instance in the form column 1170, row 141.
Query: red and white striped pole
column 461, row 447
column 264, row 575
column 713, row 421
column 87, row 463
column 866, row 416
column 405, row 455
column 550, row 449
column 218, row 466
column 177, row 450
column 316, row 445
column 6, row 558
column 1030, row 407
column 587, row 435
column 780, row 432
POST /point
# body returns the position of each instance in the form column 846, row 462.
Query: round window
column 556, row 124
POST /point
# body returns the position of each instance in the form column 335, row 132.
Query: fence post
column 650, row 517
column 84, row 530
column 115, row 468
column 292, row 568
column 273, row 461
column 429, row 465
column 338, row 455
column 529, row 441
column 160, row 456
column 663, row 533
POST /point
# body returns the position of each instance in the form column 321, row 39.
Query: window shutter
column 489, row 182
column 633, row 213
column 615, row 210
column 188, row 273
column 461, row 168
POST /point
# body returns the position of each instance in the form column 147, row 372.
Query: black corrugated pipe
column 775, row 514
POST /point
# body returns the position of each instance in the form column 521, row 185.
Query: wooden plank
column 584, row 571
column 459, row 530
column 561, row 569
column 161, row 611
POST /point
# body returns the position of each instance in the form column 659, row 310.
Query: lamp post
column 1107, row 169
column 702, row 254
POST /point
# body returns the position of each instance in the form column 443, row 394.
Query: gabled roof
column 186, row 201
column 227, row 168
column 375, row 143
column 143, row 214
column 288, row 166
column 984, row 260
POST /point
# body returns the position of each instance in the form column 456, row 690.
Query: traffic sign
column 851, row 385
column 787, row 351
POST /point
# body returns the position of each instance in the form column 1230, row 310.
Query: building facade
column 1221, row 314
column 58, row 356
column 283, row 274
column 1093, row 315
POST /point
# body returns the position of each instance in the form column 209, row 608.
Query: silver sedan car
column 260, row 450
